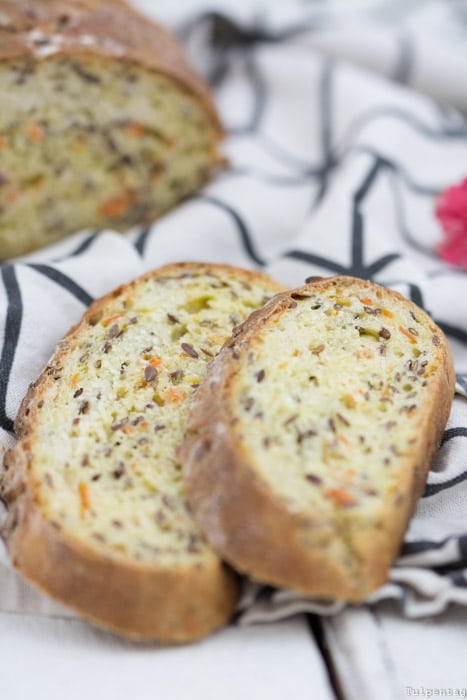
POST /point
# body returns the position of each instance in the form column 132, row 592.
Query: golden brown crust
column 36, row 30
column 251, row 527
column 139, row 600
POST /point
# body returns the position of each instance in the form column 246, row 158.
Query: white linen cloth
column 334, row 169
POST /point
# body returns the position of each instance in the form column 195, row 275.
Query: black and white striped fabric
column 334, row 169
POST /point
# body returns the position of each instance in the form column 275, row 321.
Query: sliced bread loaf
column 97, row 511
column 102, row 121
column 310, row 439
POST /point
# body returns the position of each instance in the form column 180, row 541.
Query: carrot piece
column 74, row 379
column 115, row 206
column 366, row 301
column 127, row 430
column 107, row 321
column 174, row 394
column 387, row 313
column 407, row 334
column 135, row 129
column 340, row 496
column 155, row 362
column 3, row 143
column 35, row 133
column 343, row 439
column 84, row 498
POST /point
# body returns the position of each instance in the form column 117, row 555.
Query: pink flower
column 451, row 211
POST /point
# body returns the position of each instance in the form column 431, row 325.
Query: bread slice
column 97, row 511
column 102, row 121
column 309, row 440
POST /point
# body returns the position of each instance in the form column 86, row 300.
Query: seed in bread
column 98, row 516
column 102, row 123
column 309, row 440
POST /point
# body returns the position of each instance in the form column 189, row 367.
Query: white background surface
column 64, row 659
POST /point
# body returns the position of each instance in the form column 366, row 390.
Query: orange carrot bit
column 296, row 353
column 84, row 498
column 343, row 439
column 282, row 365
column 340, row 497
column 3, row 142
column 111, row 319
column 115, row 206
column 35, row 133
column 12, row 196
column 127, row 430
column 366, row 301
column 74, row 379
column 155, row 362
column 407, row 334
column 135, row 129
column 387, row 313
column 174, row 394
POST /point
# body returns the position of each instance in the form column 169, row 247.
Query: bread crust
column 136, row 599
column 254, row 529
column 38, row 30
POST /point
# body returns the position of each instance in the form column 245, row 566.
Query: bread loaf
column 310, row 438
column 102, row 122
column 97, row 512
